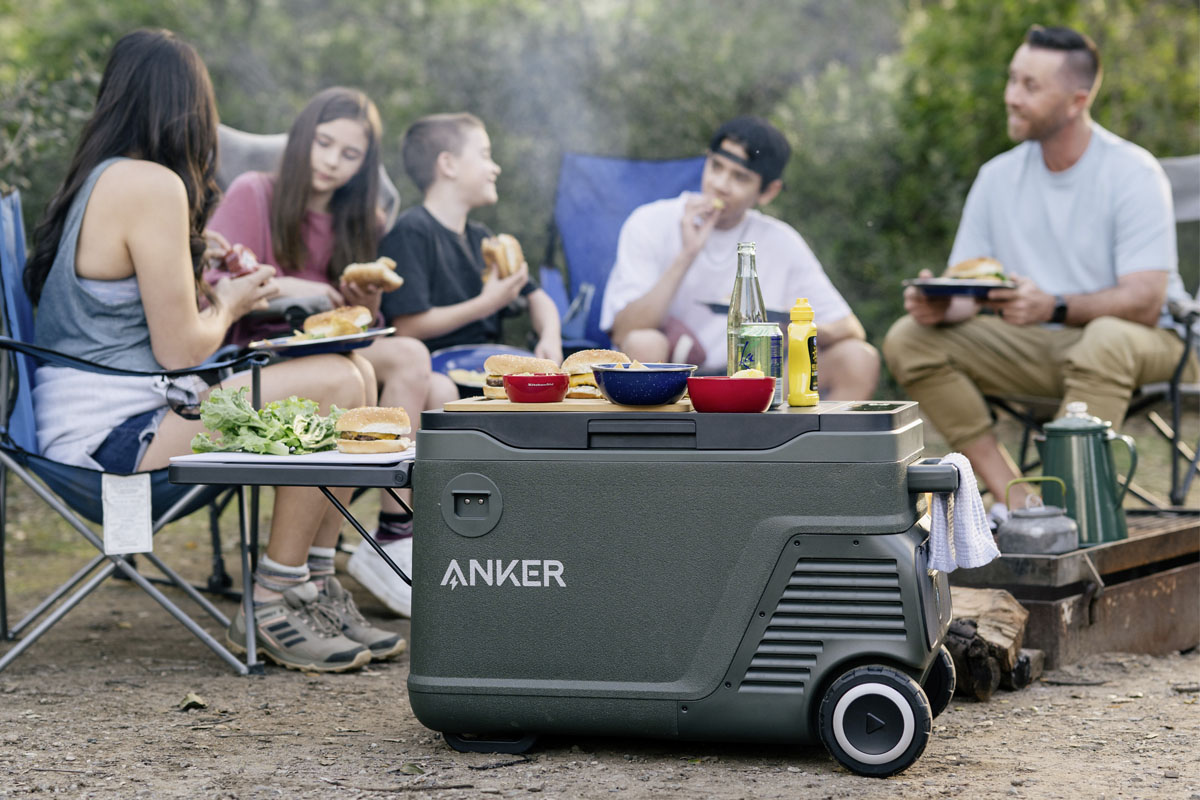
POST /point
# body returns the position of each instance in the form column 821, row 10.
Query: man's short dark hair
column 767, row 150
column 428, row 138
column 1083, row 57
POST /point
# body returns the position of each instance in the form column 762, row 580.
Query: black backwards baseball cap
column 767, row 151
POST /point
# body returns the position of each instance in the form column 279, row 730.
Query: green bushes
column 891, row 106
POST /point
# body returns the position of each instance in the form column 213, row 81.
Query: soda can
column 759, row 345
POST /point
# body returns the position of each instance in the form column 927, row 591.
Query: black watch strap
column 1060, row 309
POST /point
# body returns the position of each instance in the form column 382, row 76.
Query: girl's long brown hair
column 355, row 222
column 155, row 103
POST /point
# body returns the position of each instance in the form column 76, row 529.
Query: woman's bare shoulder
column 142, row 183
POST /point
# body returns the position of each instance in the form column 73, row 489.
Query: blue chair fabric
column 596, row 194
column 78, row 488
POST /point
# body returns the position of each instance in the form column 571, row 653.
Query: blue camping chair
column 75, row 492
column 595, row 196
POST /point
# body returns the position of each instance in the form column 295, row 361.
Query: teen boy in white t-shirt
column 676, row 255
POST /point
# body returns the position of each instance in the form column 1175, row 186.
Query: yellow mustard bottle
column 802, row 356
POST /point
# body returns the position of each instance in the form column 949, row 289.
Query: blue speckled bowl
column 657, row 385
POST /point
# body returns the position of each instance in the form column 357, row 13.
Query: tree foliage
column 891, row 105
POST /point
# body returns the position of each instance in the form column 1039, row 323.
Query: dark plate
column 778, row 317
column 329, row 344
column 940, row 287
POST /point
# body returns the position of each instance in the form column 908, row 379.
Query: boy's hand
column 700, row 216
column 499, row 292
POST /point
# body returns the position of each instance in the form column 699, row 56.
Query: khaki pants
column 948, row 369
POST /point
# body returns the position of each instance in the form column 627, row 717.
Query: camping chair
column 595, row 196
column 1032, row 412
column 75, row 492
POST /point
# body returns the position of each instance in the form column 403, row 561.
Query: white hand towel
column 960, row 535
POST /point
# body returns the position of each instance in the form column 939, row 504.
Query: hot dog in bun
column 381, row 272
column 504, row 253
column 498, row 366
column 338, row 322
column 978, row 269
column 579, row 367
column 372, row 429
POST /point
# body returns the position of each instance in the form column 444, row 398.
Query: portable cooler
column 755, row 577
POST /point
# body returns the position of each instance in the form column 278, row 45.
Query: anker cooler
column 754, row 577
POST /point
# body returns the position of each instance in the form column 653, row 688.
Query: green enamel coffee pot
column 1077, row 449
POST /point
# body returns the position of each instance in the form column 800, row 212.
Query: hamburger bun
column 579, row 367
column 372, row 429
column 503, row 252
column 380, row 272
column 978, row 269
column 338, row 322
column 498, row 366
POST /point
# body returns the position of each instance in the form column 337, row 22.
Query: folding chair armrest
column 1185, row 311
column 56, row 358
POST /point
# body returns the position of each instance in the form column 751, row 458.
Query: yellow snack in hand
column 749, row 373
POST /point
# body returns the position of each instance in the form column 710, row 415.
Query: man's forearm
column 1138, row 301
column 649, row 310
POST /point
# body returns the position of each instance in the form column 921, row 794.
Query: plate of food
column 463, row 364
column 334, row 331
column 975, row 277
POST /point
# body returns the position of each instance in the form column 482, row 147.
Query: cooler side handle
column 932, row 475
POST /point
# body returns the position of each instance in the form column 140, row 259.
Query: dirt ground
column 93, row 710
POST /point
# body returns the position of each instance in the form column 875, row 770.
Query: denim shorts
column 122, row 450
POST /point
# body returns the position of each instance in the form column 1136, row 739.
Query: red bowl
column 715, row 393
column 537, row 387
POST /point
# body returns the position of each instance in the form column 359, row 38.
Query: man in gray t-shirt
column 1082, row 222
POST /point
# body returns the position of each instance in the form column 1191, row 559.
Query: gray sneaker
column 382, row 644
column 298, row 632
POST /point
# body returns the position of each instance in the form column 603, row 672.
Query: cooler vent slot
column 780, row 665
column 824, row 599
column 831, row 599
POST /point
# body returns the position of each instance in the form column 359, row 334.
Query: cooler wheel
column 939, row 683
column 875, row 721
column 465, row 743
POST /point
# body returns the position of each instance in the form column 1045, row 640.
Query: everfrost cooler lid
column 580, row 430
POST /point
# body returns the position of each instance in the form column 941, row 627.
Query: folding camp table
column 318, row 470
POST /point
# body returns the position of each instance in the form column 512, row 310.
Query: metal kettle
column 1076, row 448
column 1041, row 530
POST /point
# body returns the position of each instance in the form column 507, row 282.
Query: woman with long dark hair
column 313, row 217
column 115, row 272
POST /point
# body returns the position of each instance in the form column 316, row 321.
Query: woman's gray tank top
column 74, row 321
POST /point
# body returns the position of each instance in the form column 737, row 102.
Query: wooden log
column 1020, row 675
column 1030, row 666
column 977, row 671
column 1000, row 620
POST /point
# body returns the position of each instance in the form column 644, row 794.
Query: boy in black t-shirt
column 444, row 300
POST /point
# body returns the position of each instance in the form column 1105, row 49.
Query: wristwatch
column 1059, row 314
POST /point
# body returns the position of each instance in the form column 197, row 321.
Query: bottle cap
column 802, row 311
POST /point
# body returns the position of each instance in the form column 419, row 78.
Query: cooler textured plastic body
column 645, row 585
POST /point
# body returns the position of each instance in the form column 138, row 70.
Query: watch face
column 1060, row 310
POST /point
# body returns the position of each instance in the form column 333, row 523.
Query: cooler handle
column 932, row 475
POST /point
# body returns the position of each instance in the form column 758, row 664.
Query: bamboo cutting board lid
column 569, row 404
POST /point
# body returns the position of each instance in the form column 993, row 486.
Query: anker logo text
column 518, row 572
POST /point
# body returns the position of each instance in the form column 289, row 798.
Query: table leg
column 366, row 536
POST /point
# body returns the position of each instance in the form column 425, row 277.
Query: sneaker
column 382, row 644
column 368, row 568
column 297, row 632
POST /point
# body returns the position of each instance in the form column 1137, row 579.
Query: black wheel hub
column 873, row 724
